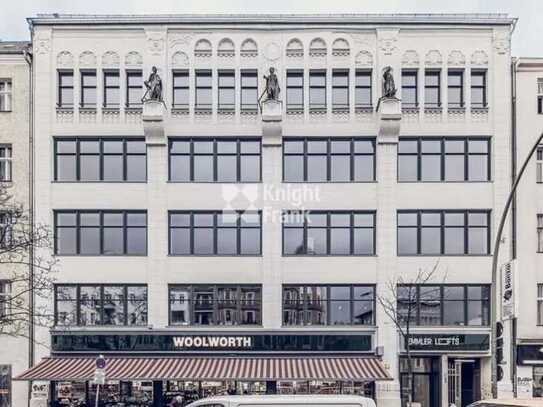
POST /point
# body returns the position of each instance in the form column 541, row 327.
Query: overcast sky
column 527, row 40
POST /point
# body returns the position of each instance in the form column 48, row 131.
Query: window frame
column 352, row 154
column 415, row 74
column 442, row 227
column 539, row 304
column 459, row 73
column 429, row 73
column 313, row 75
column 101, row 154
column 198, row 73
column 239, row 154
column 6, row 163
column 6, row 95
column 215, row 231
column 111, row 73
column 329, row 227
column 9, row 387
column 338, row 73
column 226, row 73
column 190, row 288
column 178, row 73
column 442, row 300
column 62, row 73
column 295, row 73
column 244, row 74
column 364, row 73
column 483, row 74
column 6, row 229
column 125, row 227
column 539, row 220
column 83, row 73
column 133, row 73
column 5, row 297
column 443, row 154
column 101, row 286
column 304, row 303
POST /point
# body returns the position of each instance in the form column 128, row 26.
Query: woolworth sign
column 211, row 342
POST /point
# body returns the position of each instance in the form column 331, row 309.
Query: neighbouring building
column 527, row 268
column 211, row 243
column 14, row 177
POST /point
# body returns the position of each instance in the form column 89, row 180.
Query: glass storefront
column 426, row 381
column 538, row 381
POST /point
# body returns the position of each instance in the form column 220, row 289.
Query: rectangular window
column 340, row 89
column 443, row 232
column 540, row 304
column 215, row 160
column 295, row 90
column 444, row 304
column 5, row 95
column 539, row 165
column 134, row 84
column 180, row 90
column 478, row 89
column 5, row 299
column 455, row 88
column 101, row 233
column 328, row 160
column 112, row 89
column 5, row 163
column 539, row 95
column 6, row 229
column 65, row 89
column 224, row 305
column 329, row 233
column 317, row 89
column 100, row 159
column 215, row 233
column 432, row 159
column 203, row 89
column 88, row 89
column 432, row 88
column 540, row 233
column 362, row 91
column 328, row 305
column 100, row 304
column 409, row 89
column 5, row 386
column 227, row 90
column 249, row 90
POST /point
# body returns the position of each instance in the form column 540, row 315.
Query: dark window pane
column 113, row 168
column 316, row 168
column 478, row 241
column 407, row 240
column 430, row 169
column 340, row 313
column 227, row 168
column 363, row 242
column 454, row 168
column 66, row 240
column 136, row 168
column 407, row 168
column 89, row 168
column 90, row 240
column 430, row 240
column 180, row 241
column 203, row 219
column 113, row 241
column 227, row 241
column 180, row 168
column 203, row 241
column 317, row 147
column 294, row 166
column 478, row 167
column 316, row 241
column 66, row 168
column 250, row 241
column 250, row 168
column 364, row 168
column 340, row 168
column 454, row 240
column 203, row 168
column 340, row 241
column 293, row 241
column 136, row 242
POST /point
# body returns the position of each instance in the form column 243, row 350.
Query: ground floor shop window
column 538, row 381
column 426, row 381
column 5, row 386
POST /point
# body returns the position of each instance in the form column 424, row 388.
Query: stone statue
column 272, row 85
column 389, row 89
column 154, row 87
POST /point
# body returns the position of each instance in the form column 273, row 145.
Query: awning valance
column 212, row 368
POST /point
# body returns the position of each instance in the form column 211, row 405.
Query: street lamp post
column 494, row 288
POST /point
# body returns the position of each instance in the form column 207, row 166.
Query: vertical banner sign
column 508, row 292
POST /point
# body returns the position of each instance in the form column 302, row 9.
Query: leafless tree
column 27, row 268
column 399, row 302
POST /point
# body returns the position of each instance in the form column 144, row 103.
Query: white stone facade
column 463, row 42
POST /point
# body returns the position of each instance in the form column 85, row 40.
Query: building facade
column 528, row 102
column 15, row 181
column 202, row 225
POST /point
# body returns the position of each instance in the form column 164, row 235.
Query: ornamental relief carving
column 65, row 59
column 155, row 43
column 502, row 43
column 479, row 58
column 388, row 44
column 456, row 58
column 433, row 58
column 110, row 58
column 410, row 58
column 272, row 51
column 179, row 39
column 133, row 58
column 364, row 58
column 87, row 59
column 42, row 44
column 180, row 59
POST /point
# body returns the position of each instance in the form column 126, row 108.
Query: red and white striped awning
column 207, row 368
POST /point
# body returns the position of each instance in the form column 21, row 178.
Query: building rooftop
column 13, row 47
column 241, row 19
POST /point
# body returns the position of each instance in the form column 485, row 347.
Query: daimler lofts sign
column 141, row 342
column 449, row 342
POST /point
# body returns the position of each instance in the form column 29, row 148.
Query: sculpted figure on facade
column 272, row 85
column 389, row 88
column 154, row 87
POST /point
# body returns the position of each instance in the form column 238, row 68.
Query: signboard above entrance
column 204, row 343
column 449, row 342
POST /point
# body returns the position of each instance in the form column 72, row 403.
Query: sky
column 527, row 39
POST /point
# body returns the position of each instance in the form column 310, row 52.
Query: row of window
column 6, row 163
column 223, row 233
column 248, row 88
column 228, row 304
column 5, row 95
column 456, row 159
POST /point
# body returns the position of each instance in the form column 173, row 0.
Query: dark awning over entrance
column 212, row 368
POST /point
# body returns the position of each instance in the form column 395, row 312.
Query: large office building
column 216, row 241
column 15, row 185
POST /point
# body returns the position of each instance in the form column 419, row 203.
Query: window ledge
column 111, row 109
column 318, row 110
column 363, row 109
column 456, row 109
column 479, row 110
column 180, row 110
column 87, row 110
column 202, row 111
column 226, row 110
column 64, row 109
column 295, row 110
column 432, row 109
column 410, row 109
column 133, row 109
column 251, row 111
column 343, row 109
column 6, row 111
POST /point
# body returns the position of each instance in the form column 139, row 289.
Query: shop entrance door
column 464, row 386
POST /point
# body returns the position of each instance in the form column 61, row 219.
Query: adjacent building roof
column 393, row 19
column 13, row 47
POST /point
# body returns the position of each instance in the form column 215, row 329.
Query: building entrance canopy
column 211, row 368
